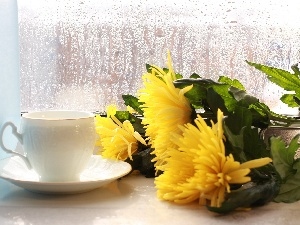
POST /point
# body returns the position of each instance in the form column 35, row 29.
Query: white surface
column 99, row 172
column 131, row 200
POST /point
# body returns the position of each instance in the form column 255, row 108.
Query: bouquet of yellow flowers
column 201, row 141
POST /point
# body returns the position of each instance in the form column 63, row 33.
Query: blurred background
column 84, row 54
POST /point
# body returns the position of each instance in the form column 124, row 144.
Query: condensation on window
column 84, row 54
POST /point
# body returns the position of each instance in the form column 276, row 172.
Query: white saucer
column 99, row 172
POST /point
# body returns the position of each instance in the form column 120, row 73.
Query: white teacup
column 57, row 144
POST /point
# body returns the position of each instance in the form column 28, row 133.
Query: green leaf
column 138, row 126
column 219, row 97
column 203, row 83
column 143, row 162
column 292, row 181
column 149, row 68
column 234, row 144
column 242, row 96
column 195, row 76
column 290, row 100
column 198, row 94
column 133, row 102
column 254, row 195
column 263, row 116
column 178, row 76
column 234, row 83
column 240, row 118
column 255, row 147
column 211, row 96
column 297, row 98
column 295, row 68
column 289, row 197
column 136, row 121
column 283, row 156
column 284, row 79
column 290, row 190
column 123, row 115
column 287, row 167
column 243, row 140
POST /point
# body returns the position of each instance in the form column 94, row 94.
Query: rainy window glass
column 84, row 54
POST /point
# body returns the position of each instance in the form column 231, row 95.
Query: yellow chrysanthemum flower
column 199, row 169
column 165, row 107
column 116, row 140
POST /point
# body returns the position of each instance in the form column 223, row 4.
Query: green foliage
column 197, row 95
column 142, row 161
column 287, row 167
column 283, row 157
column 244, row 141
column 290, row 99
column 136, row 121
column 256, row 194
column 210, row 95
column 288, row 81
column 133, row 102
column 195, row 76
column 234, row 83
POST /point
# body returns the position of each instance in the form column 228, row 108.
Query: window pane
column 84, row 54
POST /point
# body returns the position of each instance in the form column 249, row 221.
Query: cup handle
column 20, row 139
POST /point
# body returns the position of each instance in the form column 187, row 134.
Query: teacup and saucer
column 58, row 152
